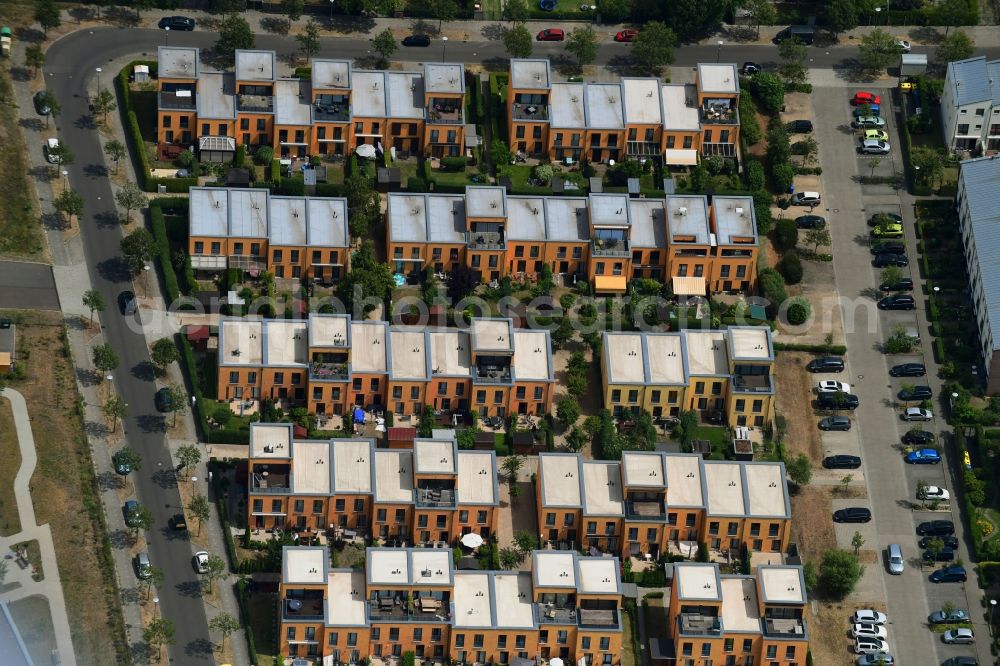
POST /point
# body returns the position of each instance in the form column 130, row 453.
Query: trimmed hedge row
column 838, row 350
column 243, row 598
column 975, row 531
column 163, row 243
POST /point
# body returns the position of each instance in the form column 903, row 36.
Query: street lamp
column 145, row 279
column 878, row 12
column 331, row 10
column 993, row 607
column 156, row 606
column 167, row 34
column 65, row 175
column 99, row 70
column 444, row 45
column 718, row 51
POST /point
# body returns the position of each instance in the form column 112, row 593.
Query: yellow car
column 907, row 86
column 876, row 135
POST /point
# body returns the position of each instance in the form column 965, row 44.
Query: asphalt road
column 71, row 62
column 25, row 285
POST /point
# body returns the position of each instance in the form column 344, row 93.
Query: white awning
column 223, row 143
column 679, row 156
column 689, row 286
column 208, row 262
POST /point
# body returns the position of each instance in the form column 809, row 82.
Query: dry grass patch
column 811, row 510
column 794, row 387
column 10, row 521
column 828, row 635
column 20, row 231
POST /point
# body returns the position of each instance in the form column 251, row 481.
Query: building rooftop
column 979, row 179
column 408, row 350
column 406, row 94
column 311, row 473
column 684, row 480
column 329, row 330
column 331, row 74
column 492, row 335
column 566, row 219
column 288, row 221
column 687, row 219
column 368, row 339
column 602, row 488
column 666, row 357
column 643, row 470
column 430, row 566
column 526, row 219
column 388, row 566
column 286, row 342
column 352, row 466
column 304, row 564
column 766, row 490
column 485, row 201
column 680, row 107
column 473, row 600
column 718, row 78
column 533, row 74
column 971, row 81
column 292, row 105
column 254, row 65
column 248, row 212
column 560, row 478
column 177, row 62
column 568, row 106
column 477, row 478
column 241, row 342
column 346, row 604
column 446, row 219
column 434, row 456
column 752, row 343
column 270, row 440
column 649, row 226
column 216, row 99
column 442, row 77
column 740, row 611
column 697, row 582
column 706, row 352
column 604, row 106
column 624, row 358
column 533, row 357
column 724, row 482
column 424, row 218
column 781, row 584
column 735, row 220
column 642, row 101
column 368, row 95
column 609, row 210
column 554, row 568
column 450, row 353
column 326, row 219
column 209, row 211
column 598, row 575
column 513, row 603
column 394, row 476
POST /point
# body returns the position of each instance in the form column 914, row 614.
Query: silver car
column 894, row 556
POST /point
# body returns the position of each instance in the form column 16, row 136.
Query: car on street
column 627, row 35
column 868, row 630
column 842, row 462
column 200, row 561
column 868, row 645
column 749, row 68
column 131, row 512
column 838, row 401
column 838, row 423
column 959, row 636
column 885, row 260
column 917, row 414
column 868, row 616
column 854, row 514
column 176, row 23
column 897, row 302
column 955, row 574
column 127, row 304
column 923, row 457
column 890, row 230
column 876, row 659
column 866, row 122
column 799, row 127
column 894, row 559
column 863, row 97
column 40, row 102
column 936, row 528
column 903, row 46
column 163, row 400
column 873, row 147
column 947, row 617
column 902, row 284
column 143, row 569
column 916, row 393
column 50, row 148
column 908, row 370
column 122, row 466
column 826, row 364
column 887, row 217
column 888, row 247
column 416, row 40
column 948, row 541
column 805, row 198
column 875, row 135
column 551, row 35
column 832, row 386
column 918, row 437
column 177, row 522
column 960, row 661
column 810, row 222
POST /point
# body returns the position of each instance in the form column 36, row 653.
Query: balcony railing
column 784, row 627
column 320, row 370
column 610, row 248
column 272, row 484
column 173, row 100
column 719, row 116
column 538, row 112
column 299, row 610
column 598, row 619
column 431, row 498
column 261, row 103
column 645, row 510
column 545, row 614
column 484, row 240
column 752, row 384
column 331, row 113
column 699, row 625
column 380, row 611
column 492, row 375
column 444, row 116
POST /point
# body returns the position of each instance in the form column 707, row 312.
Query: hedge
column 975, row 531
column 242, row 596
column 837, row 350
column 163, row 243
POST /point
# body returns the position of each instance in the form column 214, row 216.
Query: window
column 277, row 256
column 585, row 643
column 167, row 121
column 772, row 530
column 733, row 527
column 477, row 640
column 605, row 643
column 359, row 505
column 713, row 527
column 687, row 143
column 380, row 515
column 234, row 378
column 741, row 405
column 331, row 639
column 199, row 247
column 279, row 378
column 216, row 248
column 418, row 634
column 687, row 649
column 568, row 520
column 463, row 516
column 498, row 397
column 754, row 529
column 339, row 505
column 317, row 506
column 538, row 393
column 356, row 384
column 963, row 128
column 651, row 534
column 741, row 271
column 480, row 396
column 519, row 641
column 578, row 253
column 728, row 645
column 616, row 395
column 633, row 396
column 689, row 520
column 519, row 134
column 414, row 392
column 706, row 649
column 521, row 390
column 699, row 387
column 724, row 271
column 758, row 405
column 481, row 517
column 772, row 651
column 550, row 519
column 655, row 395
column 502, row 641
column 591, row 527
column 671, row 141
column 716, row 388
column 747, row 644
column 789, row 652
column 422, row 520
column 394, row 634
column 397, row 392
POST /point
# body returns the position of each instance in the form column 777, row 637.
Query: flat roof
column 649, row 223
column 680, row 107
column 472, row 599
column 304, row 564
column 781, row 584
column 684, row 482
column 609, row 210
column 492, row 335
column 560, row 478
column 406, row 94
column 718, row 78
column 706, row 352
column 254, row 65
column 751, row 343
column 216, row 98
column 485, row 201
column 604, row 106
column 602, row 486
column 697, row 582
column 352, row 466
column 177, row 62
column 430, row 566
column 434, row 456
column 643, row 470
column 566, row 219
column 209, row 208
column 286, row 342
column 526, row 219
column 554, row 568
column 442, row 77
column 327, row 222
column 740, row 611
column 270, row 440
column 311, row 468
column 687, row 215
column 292, row 105
column 766, row 490
column 513, row 600
column 288, row 221
column 394, row 476
column 642, row 101
column 407, row 217
column 533, row 355
column 446, row 219
column 345, row 599
column 477, row 478
column 241, row 341
column 248, row 212
column 368, row 95
column 665, row 355
column 450, row 353
column 530, row 74
column 388, row 566
column 329, row 330
column 734, row 220
column 408, row 354
column 724, row 482
column 328, row 73
column 368, row 350
column 623, row 355
column 568, row 106
column 598, row 575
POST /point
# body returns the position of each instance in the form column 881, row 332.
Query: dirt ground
column 812, row 530
column 794, row 388
column 10, row 522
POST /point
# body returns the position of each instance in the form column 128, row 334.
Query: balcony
column 492, row 374
column 787, row 628
column 720, row 114
column 328, row 371
column 645, row 510
column 270, row 483
column 302, row 609
column 444, row 114
column 598, row 619
column 435, row 498
column 255, row 103
column 692, row 624
column 181, row 100
column 484, row 240
column 536, row 112
column 752, row 384
column 331, row 113
column 548, row 614
column 395, row 610
column 610, row 247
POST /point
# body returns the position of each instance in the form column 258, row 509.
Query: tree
column 115, row 150
column 200, row 509
column 114, row 409
column 928, row 163
column 845, row 482
column 142, row 4
column 841, row 15
column 510, row 558
column 94, row 301
column 790, row 267
column 234, row 33
column 61, row 156
column 799, row 469
column 563, row 332
column 215, row 569
column 691, row 18
column 158, row 632
column 582, row 43
column 141, row 521
column 309, row 40
column 34, row 57
column 567, row 411
column 225, row 624
column 385, row 45
column 935, row 546
column 873, row 163
column 47, row 15
column 653, row 47
column 292, row 9
column 189, row 455
column 891, row 275
column 576, row 439
column 769, row 91
column 49, row 100
column 793, row 55
column 363, row 205
column 615, row 11
column 103, row 103
column 515, row 11
column 951, row 13
column 525, row 542
column 955, row 47
column 878, row 49
column 427, row 422
column 518, row 42
column 856, row 542
column 760, row 11
column 155, row 579
column 177, row 403
column 371, row 279
column 817, row 237
column 130, row 457
column 687, row 423
column 138, row 248
column 786, row 234
column 164, row 352
column 69, row 203
column 130, row 197
column 444, row 10
column 512, row 468
column 839, row 572
column 105, row 358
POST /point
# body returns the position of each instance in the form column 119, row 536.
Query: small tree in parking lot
column 856, row 542
column 921, row 489
column 215, row 569
column 839, row 572
column 934, row 547
column 799, row 470
column 155, row 579
column 845, row 483
column 818, row 237
column 178, row 401
column 115, row 408
column 891, row 275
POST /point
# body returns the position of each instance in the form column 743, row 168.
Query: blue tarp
column 359, row 415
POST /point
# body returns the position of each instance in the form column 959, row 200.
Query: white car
column 869, row 645
column 917, row 414
column 869, row 631
column 903, row 45
column 200, row 561
column 868, row 616
column 51, row 145
column 933, row 493
column 960, row 636
column 833, row 386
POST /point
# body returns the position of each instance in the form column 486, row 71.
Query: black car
column 41, row 103
column 163, row 400
column 416, row 40
column 127, row 303
column 842, row 462
column 892, row 247
column 810, row 222
column 854, row 514
column 949, row 575
column 897, row 302
column 880, row 217
column 918, row 437
column 177, row 522
column 841, row 423
column 176, row 23
column 883, row 260
column 960, row 661
column 826, row 364
column 908, row 370
column 948, row 541
column 800, row 127
column 749, row 68
column 916, row 393
column 943, row 555
column 837, row 401
column 902, row 284
column 936, row 528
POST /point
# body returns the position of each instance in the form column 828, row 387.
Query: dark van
column 804, row 33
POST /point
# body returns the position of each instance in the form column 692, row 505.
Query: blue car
column 949, row 575
column 923, row 457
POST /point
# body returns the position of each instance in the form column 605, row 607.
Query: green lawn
column 565, row 9
column 263, row 609
column 519, row 175
column 454, row 178
column 719, row 439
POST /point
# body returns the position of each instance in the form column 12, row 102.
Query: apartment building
column 430, row 494
column 970, row 106
column 636, row 118
column 734, row 619
column 293, row 237
column 330, row 363
column 650, row 502
column 335, row 110
column 725, row 372
column 411, row 599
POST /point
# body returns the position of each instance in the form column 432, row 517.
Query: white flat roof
column 254, row 65
column 554, row 568
column 604, row 106
column 241, row 342
column 608, row 210
column 724, row 482
column 292, row 105
column 409, row 354
column 665, row 356
column 532, row 358
column 526, row 219
column 706, row 352
column 345, row 599
column 209, row 211
column 534, row 74
column 270, row 440
column 560, row 480
column 406, row 94
column 287, row 342
column 368, row 95
column 781, row 584
column 643, row 470
column 566, row 219
column 352, row 466
column 485, row 201
column 288, row 221
column 327, row 74
column 393, row 476
column 734, row 220
column 513, row 600
column 766, row 489
column 328, row 330
column 388, row 566
column 751, row 342
column 697, row 582
column 407, row 217
column 471, row 597
column 451, row 353
column 602, row 485
column 598, row 575
column 177, row 62
column 430, row 566
column 718, row 78
column 248, row 211
column 446, row 219
column 442, row 77
column 739, row 604
column 368, row 346
column 567, row 104
column 303, row 564
column 327, row 217
column 311, row 468
column 492, row 335
column 216, row 97
column 475, row 487
column 649, row 227
column 623, row 354
column 434, row 456
column 642, row 101
column 680, row 107
column 684, row 483
column 687, row 215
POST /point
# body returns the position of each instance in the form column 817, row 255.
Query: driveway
column 27, row 285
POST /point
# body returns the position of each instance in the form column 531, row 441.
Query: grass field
column 20, row 231
column 10, row 522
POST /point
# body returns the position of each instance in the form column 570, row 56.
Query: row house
column 636, row 118
column 650, row 503
column 346, row 488
column 331, row 364
column 412, row 600
column 332, row 112
column 304, row 238
column 723, row 374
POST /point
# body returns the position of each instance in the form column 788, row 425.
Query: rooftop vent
column 739, row 211
column 682, row 211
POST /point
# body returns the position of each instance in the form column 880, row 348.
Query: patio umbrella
column 472, row 540
column 365, row 150
column 555, row 661
column 359, row 415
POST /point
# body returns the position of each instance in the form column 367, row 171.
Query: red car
column 626, row 35
column 551, row 35
column 865, row 98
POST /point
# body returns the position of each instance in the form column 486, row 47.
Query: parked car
column 131, row 512
column 876, row 659
column 551, row 35
column 143, row 569
column 832, row 386
column 416, row 40
column 868, row 616
column 841, row 423
column 41, row 106
column 936, row 528
column 163, row 400
column 875, row 135
column 864, row 97
column 888, row 217
column 810, row 222
column 917, row 414
column 923, row 457
column 127, row 304
column 903, row 46
column 884, row 260
column 176, row 23
column 49, row 149
column 889, row 230
column 908, row 370
column 626, row 35
column 916, row 393
column 854, row 514
column 842, row 461
column 960, row 661
column 948, row 541
column 949, row 575
column 918, row 437
column 902, row 284
column 948, row 617
column 122, row 466
column 805, row 198
column 826, row 364
column 837, row 401
column 873, row 147
column 800, row 127
column 868, row 122
column 177, row 522
column 200, row 561
column 888, row 247
column 749, row 68
column 867, row 110
column 868, row 630
column 868, row 645
column 894, row 559
column 943, row 555
column 959, row 636
column 897, row 302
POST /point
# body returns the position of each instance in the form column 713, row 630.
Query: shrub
column 416, row 184
column 798, row 312
column 790, row 268
column 782, row 176
column 772, row 286
column 264, row 155
column 749, row 127
column 786, row 234
column 543, row 172
column 453, row 164
column 755, row 175
column 239, row 159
